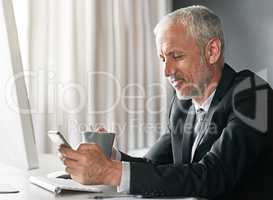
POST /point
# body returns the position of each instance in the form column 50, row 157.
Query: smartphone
column 57, row 138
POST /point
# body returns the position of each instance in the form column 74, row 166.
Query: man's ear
column 213, row 51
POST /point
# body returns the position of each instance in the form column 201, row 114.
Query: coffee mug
column 103, row 140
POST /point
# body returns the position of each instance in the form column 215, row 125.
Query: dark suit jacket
column 234, row 157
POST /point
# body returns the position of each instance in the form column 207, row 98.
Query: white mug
column 103, row 140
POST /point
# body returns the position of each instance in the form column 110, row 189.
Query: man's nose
column 169, row 68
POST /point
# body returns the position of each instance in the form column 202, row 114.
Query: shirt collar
column 205, row 106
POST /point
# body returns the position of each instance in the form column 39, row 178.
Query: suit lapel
column 177, row 121
column 224, row 85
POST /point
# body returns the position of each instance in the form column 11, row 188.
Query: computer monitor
column 17, row 140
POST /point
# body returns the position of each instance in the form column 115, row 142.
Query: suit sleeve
column 160, row 153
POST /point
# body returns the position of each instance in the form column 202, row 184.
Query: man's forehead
column 168, row 47
column 172, row 37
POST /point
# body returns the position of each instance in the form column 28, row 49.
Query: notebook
column 57, row 185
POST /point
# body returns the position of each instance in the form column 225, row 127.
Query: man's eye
column 178, row 56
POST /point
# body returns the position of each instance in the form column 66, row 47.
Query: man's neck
column 201, row 99
column 210, row 88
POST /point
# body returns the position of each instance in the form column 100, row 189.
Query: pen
column 116, row 196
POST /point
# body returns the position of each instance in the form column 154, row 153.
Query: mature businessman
column 219, row 139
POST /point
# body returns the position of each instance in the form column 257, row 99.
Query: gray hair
column 202, row 23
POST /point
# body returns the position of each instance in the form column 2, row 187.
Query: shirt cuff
column 118, row 155
column 124, row 186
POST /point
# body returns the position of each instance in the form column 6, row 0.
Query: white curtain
column 93, row 63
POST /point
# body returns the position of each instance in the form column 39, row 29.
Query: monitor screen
column 17, row 140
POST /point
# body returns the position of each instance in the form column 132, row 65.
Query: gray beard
column 181, row 97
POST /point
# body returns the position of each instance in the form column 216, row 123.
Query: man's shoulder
column 247, row 82
column 250, row 76
column 244, row 83
column 249, row 95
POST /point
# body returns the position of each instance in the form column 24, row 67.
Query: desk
column 48, row 163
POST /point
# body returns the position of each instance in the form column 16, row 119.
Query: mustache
column 175, row 77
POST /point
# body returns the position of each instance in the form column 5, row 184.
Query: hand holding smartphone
column 57, row 138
